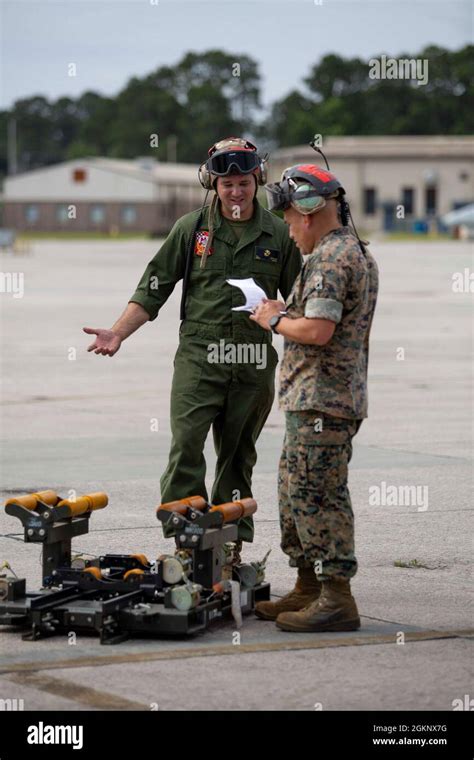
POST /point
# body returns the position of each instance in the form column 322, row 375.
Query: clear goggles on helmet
column 243, row 162
column 302, row 197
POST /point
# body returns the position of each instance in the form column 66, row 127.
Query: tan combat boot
column 306, row 590
column 335, row 610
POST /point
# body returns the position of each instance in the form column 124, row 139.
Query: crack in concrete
column 230, row 649
column 61, row 687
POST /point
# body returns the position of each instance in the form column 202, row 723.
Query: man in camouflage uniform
column 323, row 390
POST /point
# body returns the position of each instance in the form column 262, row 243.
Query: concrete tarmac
column 74, row 420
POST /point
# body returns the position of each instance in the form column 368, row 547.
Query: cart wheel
column 134, row 572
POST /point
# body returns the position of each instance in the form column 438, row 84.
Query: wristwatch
column 273, row 321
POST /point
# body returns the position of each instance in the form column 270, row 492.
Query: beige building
column 101, row 194
column 427, row 176
column 392, row 183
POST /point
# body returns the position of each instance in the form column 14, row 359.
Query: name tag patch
column 267, row 254
column 200, row 243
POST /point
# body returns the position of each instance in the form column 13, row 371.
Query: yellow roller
column 129, row 573
column 141, row 558
column 95, row 571
column 30, row 500
column 196, row 502
column 234, row 510
column 83, row 504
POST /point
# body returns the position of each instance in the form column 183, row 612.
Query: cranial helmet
column 304, row 187
column 232, row 155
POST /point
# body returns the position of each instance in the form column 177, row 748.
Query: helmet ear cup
column 205, row 178
column 262, row 174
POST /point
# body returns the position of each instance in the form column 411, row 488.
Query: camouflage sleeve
column 324, row 290
column 162, row 273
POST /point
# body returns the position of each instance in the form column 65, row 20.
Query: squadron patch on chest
column 200, row 243
column 267, row 254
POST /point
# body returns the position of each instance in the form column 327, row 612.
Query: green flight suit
column 224, row 367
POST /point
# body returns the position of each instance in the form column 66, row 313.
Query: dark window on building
column 32, row 214
column 62, row 214
column 97, row 214
column 430, row 200
column 370, row 200
column 79, row 175
column 408, row 200
column 128, row 215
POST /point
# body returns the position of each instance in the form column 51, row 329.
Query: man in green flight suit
column 224, row 368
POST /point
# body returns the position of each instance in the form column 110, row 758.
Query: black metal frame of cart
column 74, row 599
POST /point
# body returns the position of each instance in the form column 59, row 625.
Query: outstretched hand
column 106, row 343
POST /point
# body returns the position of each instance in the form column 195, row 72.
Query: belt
column 230, row 332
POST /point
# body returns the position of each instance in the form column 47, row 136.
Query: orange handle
column 95, row 571
column 141, row 558
column 196, row 502
column 131, row 573
column 30, row 500
column 234, row 510
column 86, row 503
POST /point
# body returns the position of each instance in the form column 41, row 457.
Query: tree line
column 213, row 94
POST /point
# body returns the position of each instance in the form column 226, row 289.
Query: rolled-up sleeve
column 325, row 290
column 324, row 308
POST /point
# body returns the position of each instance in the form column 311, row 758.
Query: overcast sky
column 113, row 40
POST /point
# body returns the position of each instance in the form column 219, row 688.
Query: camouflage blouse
column 340, row 283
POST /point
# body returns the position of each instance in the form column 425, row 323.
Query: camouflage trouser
column 316, row 518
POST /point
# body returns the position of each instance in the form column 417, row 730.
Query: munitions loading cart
column 119, row 595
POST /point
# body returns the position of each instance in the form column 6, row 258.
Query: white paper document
column 253, row 293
